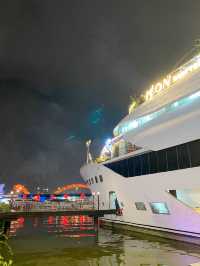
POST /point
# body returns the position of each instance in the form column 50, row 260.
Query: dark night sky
column 67, row 71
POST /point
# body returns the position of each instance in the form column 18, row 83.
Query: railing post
column 93, row 194
column 98, row 202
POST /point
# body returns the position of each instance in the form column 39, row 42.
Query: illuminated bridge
column 77, row 187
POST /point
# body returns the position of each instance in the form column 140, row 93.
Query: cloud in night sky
column 67, row 71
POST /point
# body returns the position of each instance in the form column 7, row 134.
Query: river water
column 76, row 241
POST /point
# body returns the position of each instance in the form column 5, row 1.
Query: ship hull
column 182, row 221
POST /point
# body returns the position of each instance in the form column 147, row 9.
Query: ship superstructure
column 151, row 167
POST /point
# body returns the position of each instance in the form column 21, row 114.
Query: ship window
column 177, row 157
column 117, row 167
column 96, row 179
column 133, row 165
column 159, row 208
column 140, row 206
column 172, row 161
column 92, row 180
column 130, row 167
column 114, row 167
column 125, row 167
column 153, row 162
column 183, row 156
column 162, row 161
column 194, row 151
column 101, row 178
column 111, row 166
column 137, row 166
column 108, row 165
column 120, row 167
column 144, row 164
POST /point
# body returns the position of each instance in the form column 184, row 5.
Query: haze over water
column 75, row 241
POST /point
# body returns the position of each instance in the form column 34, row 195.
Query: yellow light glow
column 132, row 106
column 180, row 73
column 158, row 87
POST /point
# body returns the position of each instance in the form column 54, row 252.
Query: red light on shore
column 64, row 220
column 82, row 195
column 50, row 220
column 52, row 197
column 65, row 196
column 20, row 220
column 36, row 198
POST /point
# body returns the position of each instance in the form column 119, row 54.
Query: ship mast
column 89, row 156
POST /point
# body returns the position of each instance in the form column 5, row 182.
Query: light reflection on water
column 75, row 241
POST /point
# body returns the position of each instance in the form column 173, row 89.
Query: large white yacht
column 150, row 169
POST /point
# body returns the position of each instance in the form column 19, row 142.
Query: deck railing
column 51, row 206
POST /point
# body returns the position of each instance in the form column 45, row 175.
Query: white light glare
column 108, row 142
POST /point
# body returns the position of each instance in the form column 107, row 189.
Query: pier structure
column 42, row 209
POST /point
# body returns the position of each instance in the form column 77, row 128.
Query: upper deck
column 169, row 116
column 187, row 84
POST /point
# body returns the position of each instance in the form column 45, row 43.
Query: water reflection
column 76, row 241
column 65, row 226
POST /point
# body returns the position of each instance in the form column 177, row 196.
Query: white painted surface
column 181, row 88
column 168, row 130
column 149, row 188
